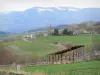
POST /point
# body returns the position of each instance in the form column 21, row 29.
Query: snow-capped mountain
column 54, row 9
column 37, row 17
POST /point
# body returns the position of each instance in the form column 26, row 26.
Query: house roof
column 67, row 49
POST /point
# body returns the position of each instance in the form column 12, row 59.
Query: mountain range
column 4, row 33
column 37, row 17
column 46, row 28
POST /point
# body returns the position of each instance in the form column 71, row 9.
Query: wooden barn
column 69, row 55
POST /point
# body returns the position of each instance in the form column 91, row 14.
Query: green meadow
column 81, row 68
column 43, row 45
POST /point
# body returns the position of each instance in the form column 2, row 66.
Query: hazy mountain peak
column 33, row 18
column 45, row 9
column 54, row 9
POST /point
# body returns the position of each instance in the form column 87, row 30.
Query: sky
column 22, row 5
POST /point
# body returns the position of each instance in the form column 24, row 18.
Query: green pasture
column 81, row 68
column 43, row 45
column 79, row 39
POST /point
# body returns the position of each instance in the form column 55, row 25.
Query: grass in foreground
column 82, row 68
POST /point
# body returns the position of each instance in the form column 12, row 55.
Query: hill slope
column 42, row 46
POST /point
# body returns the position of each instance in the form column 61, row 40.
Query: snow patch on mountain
column 8, row 12
column 59, row 8
column 45, row 9
column 53, row 9
column 70, row 9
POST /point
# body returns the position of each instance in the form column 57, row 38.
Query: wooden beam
column 58, row 57
column 69, row 56
column 66, row 57
column 83, row 54
column 52, row 58
column 55, row 58
column 61, row 57
column 78, row 56
column 83, row 51
column 73, row 55
column 49, row 59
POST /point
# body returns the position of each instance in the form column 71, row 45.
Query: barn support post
column 66, row 58
column 61, row 57
column 73, row 55
column 69, row 58
column 49, row 58
column 55, row 58
column 78, row 56
column 83, row 51
column 58, row 58
column 52, row 59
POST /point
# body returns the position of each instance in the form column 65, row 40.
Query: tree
column 6, row 56
column 56, row 32
column 70, row 33
column 66, row 32
column 96, row 38
column 97, row 27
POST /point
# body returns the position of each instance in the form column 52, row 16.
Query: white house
column 29, row 37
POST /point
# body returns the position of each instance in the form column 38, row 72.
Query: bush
column 66, row 32
column 56, row 32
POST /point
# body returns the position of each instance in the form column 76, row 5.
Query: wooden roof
column 68, row 49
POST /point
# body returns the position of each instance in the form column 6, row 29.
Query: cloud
column 21, row 5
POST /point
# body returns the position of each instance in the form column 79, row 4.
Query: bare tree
column 6, row 56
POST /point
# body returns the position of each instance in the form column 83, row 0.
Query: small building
column 84, row 31
column 29, row 37
column 45, row 34
column 69, row 55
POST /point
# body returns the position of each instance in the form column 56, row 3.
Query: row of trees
column 64, row 32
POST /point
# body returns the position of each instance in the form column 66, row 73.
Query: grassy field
column 3, row 36
column 42, row 45
column 82, row 68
